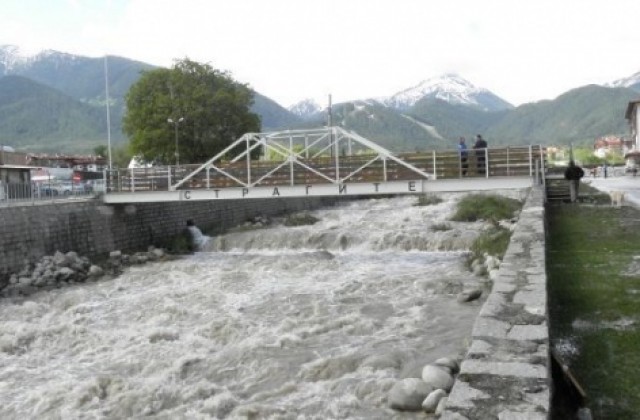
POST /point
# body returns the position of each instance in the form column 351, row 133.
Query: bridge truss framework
column 320, row 162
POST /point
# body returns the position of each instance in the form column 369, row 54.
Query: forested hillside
column 38, row 118
column 578, row 116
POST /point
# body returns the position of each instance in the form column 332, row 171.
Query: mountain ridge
column 432, row 114
column 451, row 88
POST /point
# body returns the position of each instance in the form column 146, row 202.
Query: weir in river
column 317, row 321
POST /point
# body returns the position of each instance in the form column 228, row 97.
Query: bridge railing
column 509, row 161
column 490, row 162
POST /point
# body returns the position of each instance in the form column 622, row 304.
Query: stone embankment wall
column 506, row 372
column 93, row 229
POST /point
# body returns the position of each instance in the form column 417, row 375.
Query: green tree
column 213, row 106
column 121, row 156
column 101, row 150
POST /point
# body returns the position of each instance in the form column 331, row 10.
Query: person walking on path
column 462, row 151
column 480, row 146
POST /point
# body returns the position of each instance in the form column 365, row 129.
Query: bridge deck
column 327, row 161
column 510, row 167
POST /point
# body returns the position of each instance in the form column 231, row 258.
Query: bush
column 428, row 200
column 485, row 207
column 440, row 227
column 493, row 241
column 300, row 219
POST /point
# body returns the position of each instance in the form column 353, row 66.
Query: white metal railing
column 31, row 192
column 327, row 155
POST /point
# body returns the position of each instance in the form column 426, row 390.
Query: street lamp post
column 175, row 126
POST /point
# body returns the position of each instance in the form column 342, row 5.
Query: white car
column 96, row 186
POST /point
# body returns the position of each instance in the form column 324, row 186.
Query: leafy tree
column 586, row 157
column 213, row 106
column 101, row 150
column 121, row 156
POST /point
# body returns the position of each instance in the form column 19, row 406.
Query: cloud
column 291, row 49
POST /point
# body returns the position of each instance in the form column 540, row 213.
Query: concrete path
column 629, row 184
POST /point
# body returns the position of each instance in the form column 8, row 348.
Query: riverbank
column 506, row 371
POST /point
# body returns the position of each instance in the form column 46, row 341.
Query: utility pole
column 330, row 125
column 175, row 125
column 106, row 89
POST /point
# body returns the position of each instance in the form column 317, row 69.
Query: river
column 308, row 322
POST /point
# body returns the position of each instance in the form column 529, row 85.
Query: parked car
column 95, row 186
column 53, row 189
column 48, row 190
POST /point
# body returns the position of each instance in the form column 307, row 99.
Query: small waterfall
column 199, row 239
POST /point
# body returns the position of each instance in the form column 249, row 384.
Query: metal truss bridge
column 325, row 162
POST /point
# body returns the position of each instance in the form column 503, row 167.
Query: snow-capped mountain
column 632, row 82
column 450, row 88
column 14, row 60
column 305, row 108
column 12, row 57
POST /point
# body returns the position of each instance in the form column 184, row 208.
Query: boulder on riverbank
column 428, row 393
column 61, row 269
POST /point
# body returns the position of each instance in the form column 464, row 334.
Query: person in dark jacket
column 480, row 146
column 462, row 151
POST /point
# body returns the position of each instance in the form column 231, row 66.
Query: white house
column 632, row 115
column 136, row 162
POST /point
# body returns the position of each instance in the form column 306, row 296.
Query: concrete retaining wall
column 506, row 372
column 27, row 233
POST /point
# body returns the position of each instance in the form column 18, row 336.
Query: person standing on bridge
column 480, row 147
column 462, row 151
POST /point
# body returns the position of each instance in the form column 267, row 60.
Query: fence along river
column 315, row 321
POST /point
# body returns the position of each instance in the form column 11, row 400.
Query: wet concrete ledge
column 506, row 371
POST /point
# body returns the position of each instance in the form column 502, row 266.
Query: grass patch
column 493, row 241
column 428, row 200
column 591, row 195
column 440, row 227
column 594, row 302
column 300, row 219
column 485, row 207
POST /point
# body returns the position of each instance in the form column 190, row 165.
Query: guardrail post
column 384, row 168
column 104, row 180
column 248, row 162
column 435, row 172
column 530, row 160
column 486, row 163
column 508, row 163
column 336, row 150
column 543, row 171
column 291, row 179
column 133, row 181
column 169, row 186
column 208, row 178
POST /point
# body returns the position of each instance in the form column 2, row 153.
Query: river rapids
column 307, row 322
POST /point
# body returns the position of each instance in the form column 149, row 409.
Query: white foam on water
column 276, row 328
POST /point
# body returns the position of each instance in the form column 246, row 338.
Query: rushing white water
column 280, row 323
column 199, row 240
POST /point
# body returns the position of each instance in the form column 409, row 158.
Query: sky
column 521, row 50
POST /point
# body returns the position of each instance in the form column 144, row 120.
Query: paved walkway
column 629, row 184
